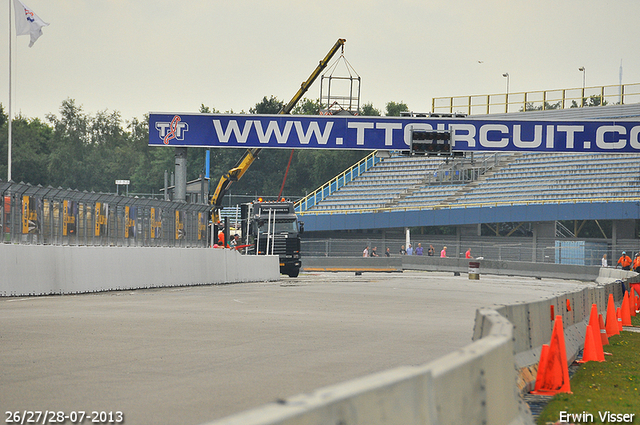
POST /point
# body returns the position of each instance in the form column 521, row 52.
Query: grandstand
column 406, row 183
column 489, row 179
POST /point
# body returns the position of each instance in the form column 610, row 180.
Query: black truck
column 273, row 228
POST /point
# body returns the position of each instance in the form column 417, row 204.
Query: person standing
column 374, row 251
column 403, row 251
column 409, row 250
column 365, row 251
column 387, row 253
column 624, row 261
column 443, row 253
column 468, row 254
column 431, row 251
column 604, row 260
column 419, row 250
column 636, row 263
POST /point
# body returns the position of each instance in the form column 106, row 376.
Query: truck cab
column 273, row 228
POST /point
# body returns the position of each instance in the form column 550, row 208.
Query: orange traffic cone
column 542, row 367
column 590, row 353
column 625, row 315
column 594, row 324
column 619, row 316
column 632, row 302
column 612, row 320
column 603, row 331
column 556, row 369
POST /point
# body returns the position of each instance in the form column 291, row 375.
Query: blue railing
column 336, row 183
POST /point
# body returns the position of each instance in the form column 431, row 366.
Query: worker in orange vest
column 625, row 261
column 636, row 262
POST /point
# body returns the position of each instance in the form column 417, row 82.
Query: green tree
column 593, row 100
column 268, row 106
column 307, row 107
column 368, row 110
column 70, row 144
column 394, row 109
column 530, row 106
column 31, row 144
column 207, row 110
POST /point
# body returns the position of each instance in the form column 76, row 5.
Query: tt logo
column 172, row 130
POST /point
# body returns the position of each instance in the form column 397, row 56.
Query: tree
column 368, row 110
column 31, row 144
column 66, row 165
column 267, row 106
column 394, row 109
column 593, row 100
column 307, row 107
column 530, row 106
column 206, row 110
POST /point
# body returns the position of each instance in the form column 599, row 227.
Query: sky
column 141, row 56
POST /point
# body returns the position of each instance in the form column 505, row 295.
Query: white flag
column 28, row 22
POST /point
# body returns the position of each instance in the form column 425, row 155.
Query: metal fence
column 538, row 100
column 56, row 216
column 558, row 251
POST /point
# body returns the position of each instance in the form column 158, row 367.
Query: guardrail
column 538, row 100
column 55, row 216
column 336, row 183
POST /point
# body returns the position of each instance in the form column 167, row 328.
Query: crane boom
column 250, row 155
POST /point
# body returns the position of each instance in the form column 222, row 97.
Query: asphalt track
column 194, row 354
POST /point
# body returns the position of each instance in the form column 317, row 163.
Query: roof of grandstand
column 402, row 191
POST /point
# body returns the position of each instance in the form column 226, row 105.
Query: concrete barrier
column 455, row 265
column 608, row 275
column 534, row 323
column 352, row 264
column 45, row 269
column 473, row 385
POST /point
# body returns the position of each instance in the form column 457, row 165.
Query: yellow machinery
column 250, row 155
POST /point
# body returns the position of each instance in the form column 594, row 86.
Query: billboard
column 390, row 133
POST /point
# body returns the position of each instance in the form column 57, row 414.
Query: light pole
column 506, row 98
column 584, row 78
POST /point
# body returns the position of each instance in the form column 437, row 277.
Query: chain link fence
column 50, row 216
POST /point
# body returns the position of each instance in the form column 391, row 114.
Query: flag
column 28, row 22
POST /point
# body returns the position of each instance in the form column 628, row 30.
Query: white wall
column 43, row 269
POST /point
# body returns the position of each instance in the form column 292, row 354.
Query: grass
column 612, row 385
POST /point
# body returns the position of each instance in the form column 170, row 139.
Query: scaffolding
column 340, row 89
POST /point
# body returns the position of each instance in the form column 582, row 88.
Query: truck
column 272, row 228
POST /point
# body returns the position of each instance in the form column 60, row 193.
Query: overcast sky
column 137, row 56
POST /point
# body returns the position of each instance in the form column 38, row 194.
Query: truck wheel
column 294, row 273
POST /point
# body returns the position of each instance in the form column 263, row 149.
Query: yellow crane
column 251, row 154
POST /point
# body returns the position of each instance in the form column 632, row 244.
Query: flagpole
column 10, row 116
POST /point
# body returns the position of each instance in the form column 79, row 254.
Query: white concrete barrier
column 44, row 269
column 473, row 385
